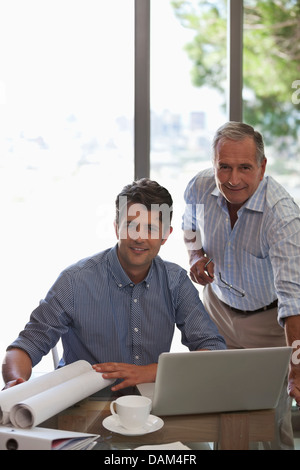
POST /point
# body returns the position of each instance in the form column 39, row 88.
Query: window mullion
column 142, row 90
column 235, row 60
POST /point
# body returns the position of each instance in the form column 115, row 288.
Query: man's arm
column 292, row 333
column 198, row 259
column 16, row 367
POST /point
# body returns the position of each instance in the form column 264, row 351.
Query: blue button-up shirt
column 260, row 255
column 102, row 316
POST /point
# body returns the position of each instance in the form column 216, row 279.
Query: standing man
column 118, row 309
column 242, row 232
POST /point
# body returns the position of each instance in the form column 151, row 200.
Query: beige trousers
column 258, row 330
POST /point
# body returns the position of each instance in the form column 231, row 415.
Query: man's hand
column 16, row 367
column 294, row 387
column 292, row 333
column 130, row 373
column 202, row 267
column 12, row 383
column 202, row 270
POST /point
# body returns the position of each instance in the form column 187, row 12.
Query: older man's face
column 237, row 173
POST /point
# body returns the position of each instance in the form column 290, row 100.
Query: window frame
column 142, row 126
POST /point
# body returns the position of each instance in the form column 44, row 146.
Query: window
column 271, row 80
column 184, row 118
column 66, row 141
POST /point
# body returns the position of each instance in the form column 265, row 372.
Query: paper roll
column 34, row 401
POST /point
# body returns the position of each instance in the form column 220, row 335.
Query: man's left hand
column 130, row 374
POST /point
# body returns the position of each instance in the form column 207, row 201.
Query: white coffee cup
column 132, row 410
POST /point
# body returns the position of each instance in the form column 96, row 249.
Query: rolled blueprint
column 36, row 400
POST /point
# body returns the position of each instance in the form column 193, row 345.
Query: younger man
column 117, row 309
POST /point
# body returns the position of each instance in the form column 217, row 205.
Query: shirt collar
column 257, row 201
column 119, row 275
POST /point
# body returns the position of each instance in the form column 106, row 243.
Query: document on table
column 171, row 446
column 28, row 404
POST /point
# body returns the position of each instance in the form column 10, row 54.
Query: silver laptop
column 217, row 381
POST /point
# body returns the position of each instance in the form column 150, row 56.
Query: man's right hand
column 201, row 271
column 202, row 267
column 16, row 367
column 12, row 383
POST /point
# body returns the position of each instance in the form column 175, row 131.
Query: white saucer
column 153, row 424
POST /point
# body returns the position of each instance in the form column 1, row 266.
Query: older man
column 242, row 231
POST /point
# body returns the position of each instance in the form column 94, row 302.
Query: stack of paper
column 44, row 439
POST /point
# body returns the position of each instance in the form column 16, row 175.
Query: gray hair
column 239, row 131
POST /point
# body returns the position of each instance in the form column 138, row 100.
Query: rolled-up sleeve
column 284, row 241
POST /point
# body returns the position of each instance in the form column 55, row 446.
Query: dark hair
column 238, row 131
column 146, row 192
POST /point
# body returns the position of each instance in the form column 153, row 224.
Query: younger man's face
column 140, row 236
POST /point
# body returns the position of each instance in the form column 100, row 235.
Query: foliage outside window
column 271, row 65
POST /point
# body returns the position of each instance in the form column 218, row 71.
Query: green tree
column 271, row 58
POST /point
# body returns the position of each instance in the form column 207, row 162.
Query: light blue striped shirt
column 261, row 254
column 102, row 316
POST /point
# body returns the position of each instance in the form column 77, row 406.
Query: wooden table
column 230, row 431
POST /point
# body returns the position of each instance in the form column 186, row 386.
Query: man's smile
column 137, row 249
column 234, row 189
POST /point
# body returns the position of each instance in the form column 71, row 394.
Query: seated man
column 117, row 309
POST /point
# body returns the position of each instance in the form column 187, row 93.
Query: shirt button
column 131, row 285
column 136, row 330
column 137, row 357
column 120, row 285
column 135, row 300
